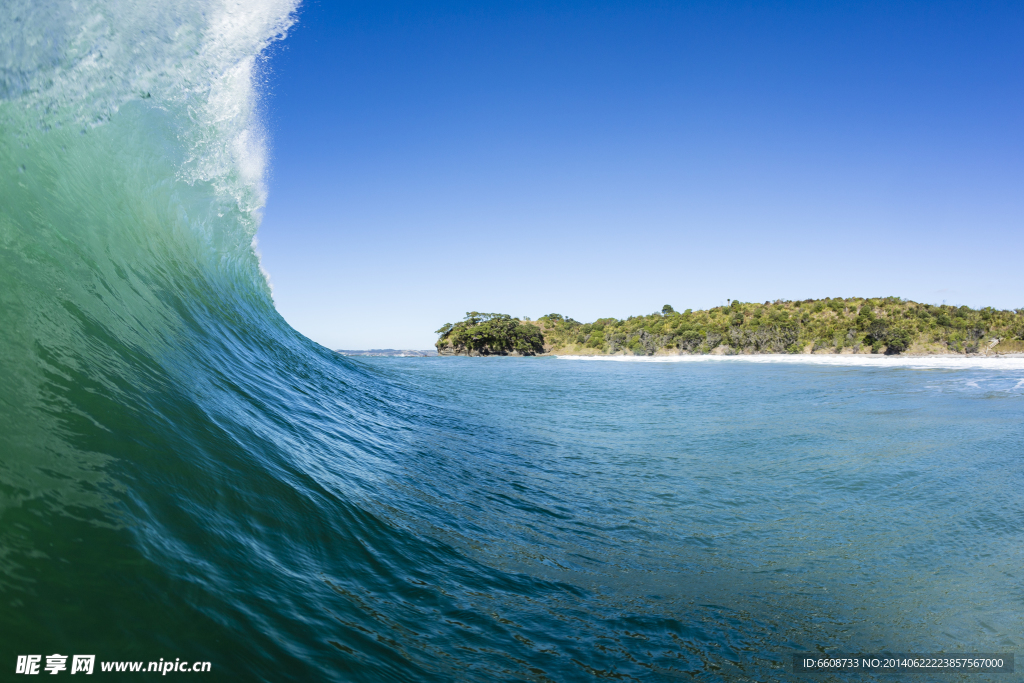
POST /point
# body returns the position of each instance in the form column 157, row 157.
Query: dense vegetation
column 489, row 334
column 885, row 325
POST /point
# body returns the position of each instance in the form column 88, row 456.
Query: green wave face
column 131, row 182
column 130, row 170
column 133, row 314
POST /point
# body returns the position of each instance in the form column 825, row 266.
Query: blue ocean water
column 185, row 477
column 722, row 514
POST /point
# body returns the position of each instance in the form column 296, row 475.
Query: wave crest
column 75, row 63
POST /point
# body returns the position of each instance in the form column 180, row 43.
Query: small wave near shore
column 1005, row 362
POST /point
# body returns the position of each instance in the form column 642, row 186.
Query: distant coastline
column 888, row 326
column 407, row 353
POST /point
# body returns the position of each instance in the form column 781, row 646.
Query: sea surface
column 185, row 477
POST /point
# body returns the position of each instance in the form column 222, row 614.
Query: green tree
column 488, row 334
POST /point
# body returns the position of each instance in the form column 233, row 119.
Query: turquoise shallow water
column 182, row 475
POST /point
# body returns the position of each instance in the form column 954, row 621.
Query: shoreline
column 965, row 356
column 938, row 361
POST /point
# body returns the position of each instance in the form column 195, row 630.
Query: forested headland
column 489, row 334
column 855, row 325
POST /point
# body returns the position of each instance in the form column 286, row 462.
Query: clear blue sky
column 605, row 158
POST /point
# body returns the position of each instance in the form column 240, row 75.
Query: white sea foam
column 77, row 62
column 846, row 360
